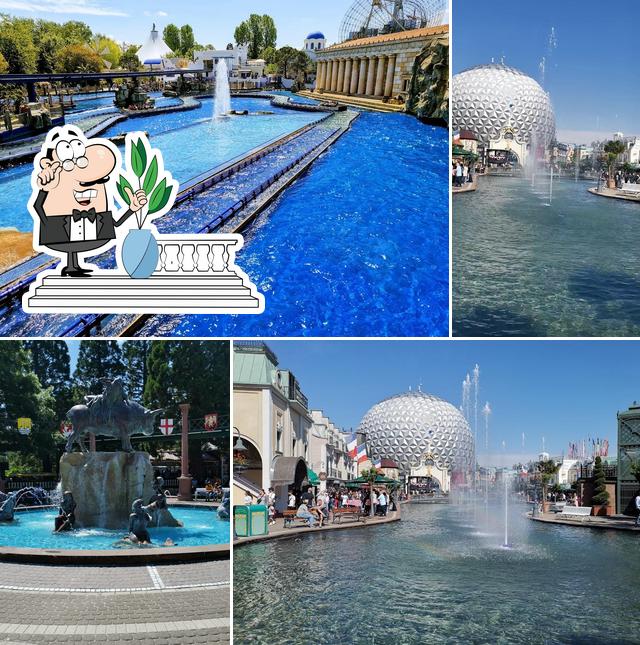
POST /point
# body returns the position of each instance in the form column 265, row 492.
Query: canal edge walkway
column 278, row 532
column 614, row 193
column 615, row 523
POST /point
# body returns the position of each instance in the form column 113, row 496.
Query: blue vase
column 140, row 253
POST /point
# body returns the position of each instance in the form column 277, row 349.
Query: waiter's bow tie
column 90, row 215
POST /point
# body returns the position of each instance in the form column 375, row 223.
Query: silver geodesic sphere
column 404, row 427
column 487, row 97
column 366, row 18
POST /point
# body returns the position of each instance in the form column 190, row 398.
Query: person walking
column 382, row 503
column 292, row 500
column 638, row 509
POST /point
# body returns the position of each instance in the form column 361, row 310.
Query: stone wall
column 429, row 90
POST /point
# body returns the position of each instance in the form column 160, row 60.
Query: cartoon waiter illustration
column 71, row 204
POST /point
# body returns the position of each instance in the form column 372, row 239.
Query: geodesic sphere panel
column 367, row 18
column 486, row 98
column 404, row 427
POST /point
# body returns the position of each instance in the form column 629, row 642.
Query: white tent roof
column 153, row 51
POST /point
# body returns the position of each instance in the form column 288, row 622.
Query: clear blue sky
column 563, row 391
column 592, row 73
column 213, row 22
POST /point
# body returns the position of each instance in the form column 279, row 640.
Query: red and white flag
column 211, row 421
column 66, row 429
column 362, row 453
column 166, row 426
column 352, row 447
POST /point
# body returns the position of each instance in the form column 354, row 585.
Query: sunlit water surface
column 440, row 576
column 525, row 265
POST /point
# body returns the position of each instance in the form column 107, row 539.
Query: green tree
column 187, row 40
column 107, row 49
column 75, row 32
column 98, row 360
column 600, row 495
column 22, row 395
column 258, row 32
column 51, row 364
column 285, row 58
column 171, row 36
column 16, row 44
column 135, row 354
column 613, row 149
column 370, row 475
column 47, row 55
column 269, row 55
column 158, row 387
column 546, row 469
column 4, row 66
column 300, row 65
column 78, row 58
column 129, row 59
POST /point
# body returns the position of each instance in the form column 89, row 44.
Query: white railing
column 197, row 254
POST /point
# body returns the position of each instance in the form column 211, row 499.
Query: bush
column 21, row 464
column 600, row 494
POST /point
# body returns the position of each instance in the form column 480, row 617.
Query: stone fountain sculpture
column 105, row 484
column 7, row 506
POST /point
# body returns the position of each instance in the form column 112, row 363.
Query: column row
column 357, row 76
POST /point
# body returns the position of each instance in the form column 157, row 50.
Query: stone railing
column 197, row 254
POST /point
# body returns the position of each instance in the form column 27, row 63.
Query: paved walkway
column 367, row 104
column 614, row 193
column 188, row 603
column 278, row 531
column 616, row 523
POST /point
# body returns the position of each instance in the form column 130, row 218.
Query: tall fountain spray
column 486, row 411
column 506, row 544
column 222, row 96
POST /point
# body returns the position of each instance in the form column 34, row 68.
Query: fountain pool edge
column 295, row 532
column 151, row 555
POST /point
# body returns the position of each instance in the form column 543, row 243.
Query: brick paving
column 175, row 604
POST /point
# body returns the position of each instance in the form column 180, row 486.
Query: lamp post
column 184, row 481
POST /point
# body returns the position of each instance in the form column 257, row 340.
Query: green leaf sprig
column 158, row 193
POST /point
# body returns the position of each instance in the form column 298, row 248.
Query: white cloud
column 78, row 7
column 160, row 14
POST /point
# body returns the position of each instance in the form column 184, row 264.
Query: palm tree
column 370, row 475
column 547, row 468
column 613, row 149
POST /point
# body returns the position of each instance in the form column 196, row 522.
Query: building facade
column 379, row 67
column 313, row 43
column 272, row 425
column 328, row 455
column 628, row 454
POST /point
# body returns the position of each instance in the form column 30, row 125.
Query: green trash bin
column 241, row 521
column 258, row 519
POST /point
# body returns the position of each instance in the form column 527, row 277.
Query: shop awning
column 313, row 478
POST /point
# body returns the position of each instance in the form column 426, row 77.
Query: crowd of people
column 317, row 507
column 461, row 173
column 622, row 177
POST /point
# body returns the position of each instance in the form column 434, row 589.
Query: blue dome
column 315, row 34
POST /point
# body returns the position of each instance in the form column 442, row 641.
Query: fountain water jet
column 222, row 95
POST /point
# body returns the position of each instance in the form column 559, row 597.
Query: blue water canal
column 440, row 576
column 357, row 247
column 34, row 530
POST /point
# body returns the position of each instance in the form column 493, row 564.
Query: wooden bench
column 291, row 519
column 346, row 513
column 576, row 511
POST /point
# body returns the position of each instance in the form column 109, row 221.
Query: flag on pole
column 352, row 446
column 377, row 463
column 362, row 453
column 24, row 425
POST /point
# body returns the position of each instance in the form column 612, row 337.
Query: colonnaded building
column 386, row 49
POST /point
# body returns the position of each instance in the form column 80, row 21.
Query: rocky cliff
column 429, row 91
